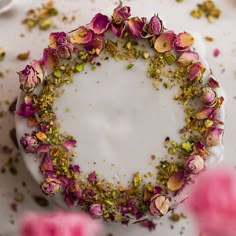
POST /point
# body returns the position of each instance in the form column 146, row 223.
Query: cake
column 119, row 117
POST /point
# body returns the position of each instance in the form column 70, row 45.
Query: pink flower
column 208, row 95
column 29, row 143
column 96, row 210
column 120, row 14
column 159, row 205
column 99, row 24
column 26, row 109
column 58, row 224
column 212, row 202
column 30, row 76
column 136, row 26
column 51, row 186
column 194, row 164
column 155, row 26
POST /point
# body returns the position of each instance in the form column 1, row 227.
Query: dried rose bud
column 31, row 76
column 136, row 26
column 208, row 95
column 120, row 14
column 188, row 58
column 155, row 26
column 50, row 58
column 159, row 205
column 81, row 35
column 29, row 143
column 99, row 24
column 51, row 186
column 213, row 136
column 196, row 71
column 194, row 164
column 165, row 42
column 96, row 210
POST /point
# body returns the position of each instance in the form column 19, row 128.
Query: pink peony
column 58, row 224
column 212, row 202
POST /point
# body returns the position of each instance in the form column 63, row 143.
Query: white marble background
column 16, row 181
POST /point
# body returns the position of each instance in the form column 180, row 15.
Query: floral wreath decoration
column 67, row 54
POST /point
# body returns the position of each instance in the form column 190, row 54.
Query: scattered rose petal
column 92, row 177
column 196, row 71
column 43, row 148
column 208, row 95
column 155, row 26
column 46, row 166
column 31, row 76
column 159, row 205
column 213, row 197
column 99, row 24
column 205, row 113
column 29, row 143
column 184, row 40
column 50, row 58
column 58, row 224
column 136, row 26
column 176, row 181
column 213, row 136
column 120, row 14
column 194, row 164
column 216, row 52
column 26, row 109
column 187, row 58
column 51, row 186
column 149, row 224
column 213, row 83
column 56, row 39
column 23, row 56
column 81, row 35
column 165, row 42
column 202, row 149
column 69, row 144
column 96, row 44
column 76, row 168
column 64, row 52
column 96, row 210
column 118, row 30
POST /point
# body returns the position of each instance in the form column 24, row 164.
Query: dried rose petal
column 196, row 71
column 46, row 166
column 188, row 58
column 92, row 177
column 202, row 149
column 31, row 76
column 118, row 30
column 136, row 26
column 99, row 24
column 50, row 58
column 149, row 224
column 81, row 35
column 57, row 38
column 26, row 109
column 120, row 14
column 69, row 144
column 96, row 44
column 213, row 83
column 184, row 40
column 176, row 181
column 208, row 95
column 51, row 186
column 165, row 42
column 43, row 148
column 29, row 143
column 96, row 210
column 205, row 113
column 213, row 136
column 216, row 52
column 155, row 26
column 159, row 205
column 194, row 164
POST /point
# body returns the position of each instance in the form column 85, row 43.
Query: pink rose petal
column 136, row 26
column 120, row 14
column 216, row 52
column 184, row 40
column 69, row 144
column 99, row 24
column 213, row 136
column 205, row 113
column 50, row 58
column 81, row 35
column 165, row 42
column 96, row 44
column 213, row 83
column 196, row 71
column 188, row 58
column 176, row 181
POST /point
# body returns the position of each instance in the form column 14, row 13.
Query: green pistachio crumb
column 187, row 146
column 2, row 54
column 130, row 66
column 137, row 179
column 80, row 67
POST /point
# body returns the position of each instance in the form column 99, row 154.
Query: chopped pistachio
column 130, row 66
column 137, row 179
column 2, row 54
column 187, row 146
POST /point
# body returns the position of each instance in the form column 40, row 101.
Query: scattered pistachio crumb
column 130, row 66
column 2, row 54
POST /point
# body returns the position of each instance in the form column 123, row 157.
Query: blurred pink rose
column 58, row 224
column 213, row 202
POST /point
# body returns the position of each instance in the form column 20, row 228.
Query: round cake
column 119, row 116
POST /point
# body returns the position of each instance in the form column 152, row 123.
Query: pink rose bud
column 213, row 136
column 155, row 26
column 159, row 205
column 194, row 164
column 58, row 224
column 208, row 95
column 196, row 71
column 188, row 58
column 51, row 186
column 29, row 143
column 96, row 210
column 120, row 14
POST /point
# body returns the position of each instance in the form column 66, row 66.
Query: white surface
column 175, row 16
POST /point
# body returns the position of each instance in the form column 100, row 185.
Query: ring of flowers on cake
column 171, row 62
